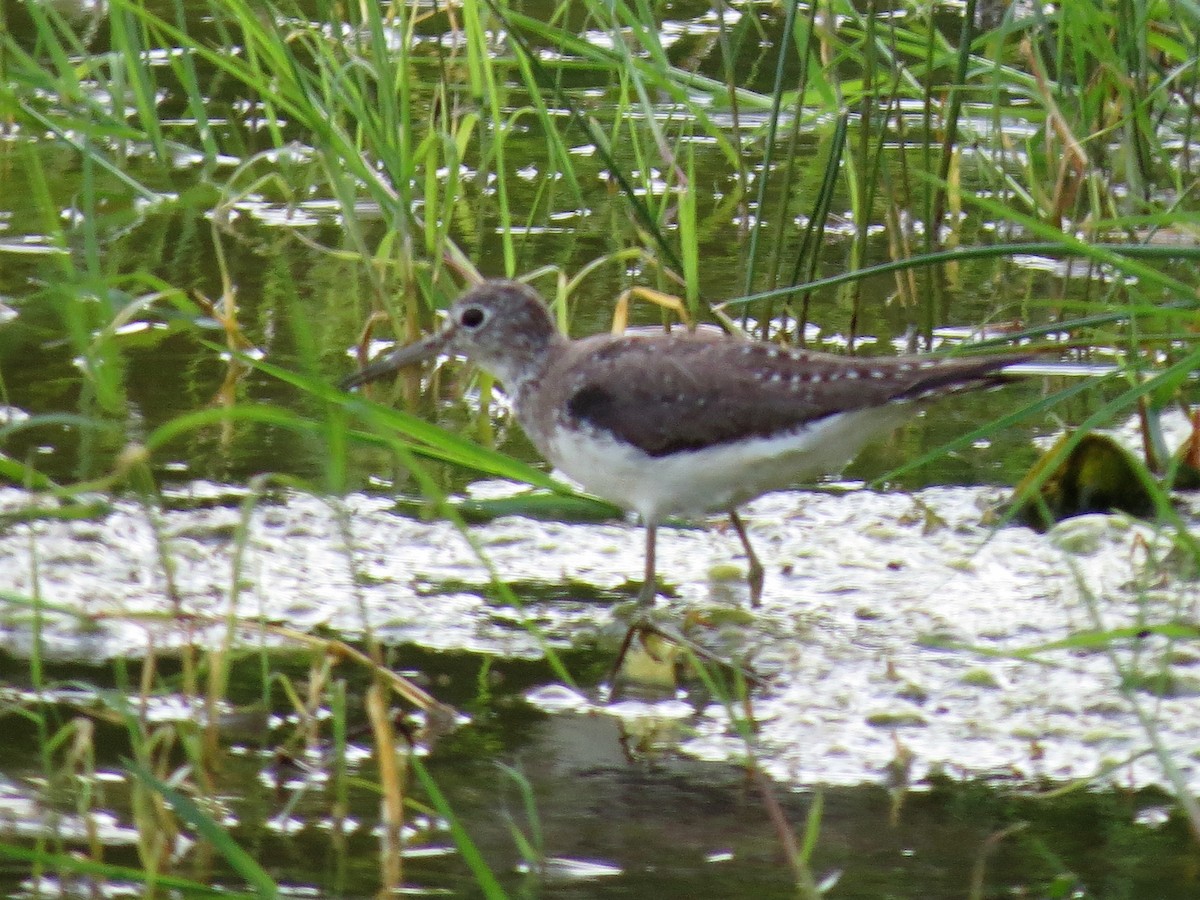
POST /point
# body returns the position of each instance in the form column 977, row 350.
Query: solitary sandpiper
column 683, row 424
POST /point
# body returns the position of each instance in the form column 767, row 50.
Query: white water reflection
column 870, row 602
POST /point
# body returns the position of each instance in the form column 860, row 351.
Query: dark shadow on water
column 654, row 822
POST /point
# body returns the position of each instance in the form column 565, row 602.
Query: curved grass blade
column 107, row 872
column 484, row 876
column 206, row 826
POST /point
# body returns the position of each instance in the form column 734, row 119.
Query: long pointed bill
column 398, row 359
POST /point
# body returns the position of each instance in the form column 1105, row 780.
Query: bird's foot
column 644, row 625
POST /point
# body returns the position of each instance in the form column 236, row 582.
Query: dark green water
column 618, row 821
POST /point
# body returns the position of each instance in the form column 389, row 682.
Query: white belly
column 720, row 477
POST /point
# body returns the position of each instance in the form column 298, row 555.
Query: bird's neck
column 525, row 363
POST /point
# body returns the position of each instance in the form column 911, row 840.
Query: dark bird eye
column 472, row 317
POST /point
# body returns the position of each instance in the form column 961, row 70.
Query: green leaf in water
column 1097, row 476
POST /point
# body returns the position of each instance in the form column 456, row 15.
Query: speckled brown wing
column 676, row 393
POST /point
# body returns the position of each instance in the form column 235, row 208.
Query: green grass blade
column 107, row 872
column 484, row 877
column 208, row 828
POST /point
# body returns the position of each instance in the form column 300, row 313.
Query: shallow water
column 888, row 620
column 888, row 642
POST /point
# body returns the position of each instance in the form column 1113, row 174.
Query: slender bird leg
column 643, row 624
column 755, row 575
column 650, row 582
column 615, row 672
column 641, row 621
